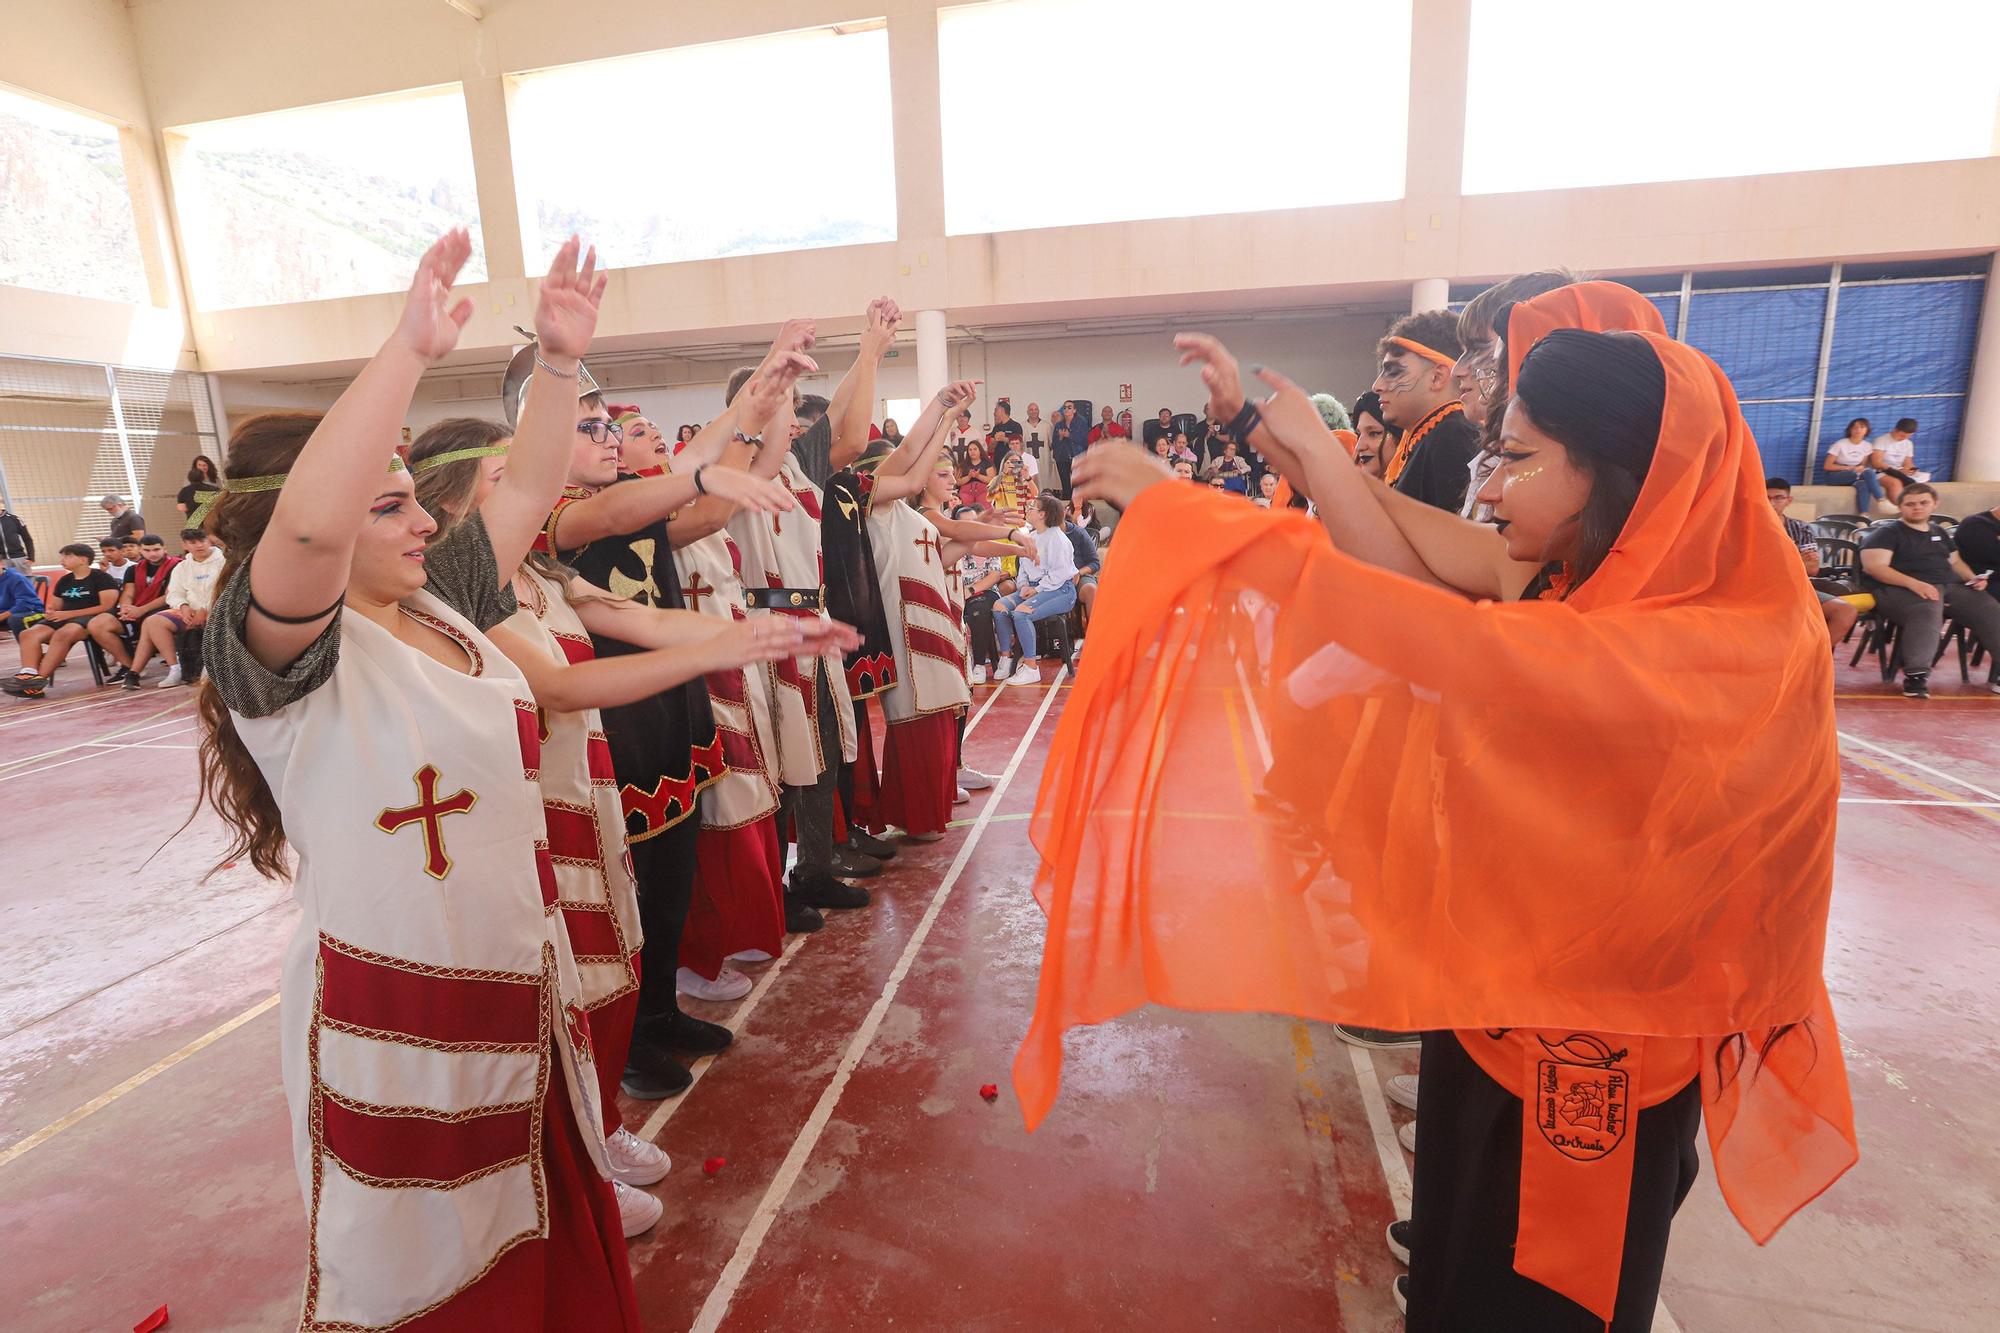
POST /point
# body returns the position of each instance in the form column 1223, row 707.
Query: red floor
column 1198, row 1171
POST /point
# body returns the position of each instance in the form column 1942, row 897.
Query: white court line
column 1921, row 767
column 65, row 707
column 1395, row 1173
column 146, row 723
column 992, row 697
column 146, row 1075
column 1897, row 800
column 716, row 1307
column 96, row 750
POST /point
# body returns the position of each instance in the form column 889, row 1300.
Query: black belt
column 782, row 599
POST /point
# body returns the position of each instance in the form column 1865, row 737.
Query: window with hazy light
column 66, row 221
column 1568, row 93
column 323, row 201
column 705, row 151
column 1057, row 113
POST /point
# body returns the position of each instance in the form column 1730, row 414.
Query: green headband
column 271, row 482
column 459, row 456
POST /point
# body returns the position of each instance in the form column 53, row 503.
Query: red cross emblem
column 430, row 812
column 695, row 591
column 929, row 542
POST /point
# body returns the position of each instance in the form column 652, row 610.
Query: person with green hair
column 1332, row 412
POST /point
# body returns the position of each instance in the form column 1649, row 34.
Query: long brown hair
column 446, row 491
column 230, row 779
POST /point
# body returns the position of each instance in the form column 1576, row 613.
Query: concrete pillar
column 1429, row 294
column 1979, row 441
column 933, row 371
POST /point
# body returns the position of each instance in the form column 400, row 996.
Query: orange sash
column 1411, row 437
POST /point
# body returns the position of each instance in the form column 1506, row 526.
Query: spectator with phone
column 1895, row 459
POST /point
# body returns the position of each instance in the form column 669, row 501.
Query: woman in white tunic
column 436, row 1048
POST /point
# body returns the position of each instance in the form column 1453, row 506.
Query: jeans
column 1867, row 489
column 1919, row 622
column 1011, row 623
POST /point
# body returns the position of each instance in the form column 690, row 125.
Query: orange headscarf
column 1595, row 306
column 1614, row 812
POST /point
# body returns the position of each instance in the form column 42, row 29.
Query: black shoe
column 651, row 1074
column 870, row 845
column 131, row 680
column 1399, row 1241
column 801, row 918
column 685, row 1033
column 30, row 687
column 850, row 862
column 1916, row 685
column 1375, row 1038
column 819, row 889
column 1402, row 1290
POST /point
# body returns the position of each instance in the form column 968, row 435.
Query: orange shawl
column 1611, row 813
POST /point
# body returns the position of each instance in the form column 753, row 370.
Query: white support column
column 933, row 372
column 1979, row 441
column 132, row 491
column 1429, row 294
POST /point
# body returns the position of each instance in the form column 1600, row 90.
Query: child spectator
column 80, row 594
column 190, row 591
column 143, row 595
column 20, row 605
column 111, row 559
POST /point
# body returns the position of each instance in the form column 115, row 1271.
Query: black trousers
column 811, row 808
column 979, row 628
column 1063, row 461
column 1466, row 1206
column 664, row 868
column 1920, row 622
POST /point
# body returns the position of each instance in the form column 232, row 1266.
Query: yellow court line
column 1910, row 780
column 144, row 1076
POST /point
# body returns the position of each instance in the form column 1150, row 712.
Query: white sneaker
column 638, row 1211
column 633, row 1160
column 1004, row 670
column 173, row 678
column 729, row 984
column 1407, row 1136
column 961, row 797
column 750, row 956
column 973, row 780
column 1402, row 1090
column 978, row 676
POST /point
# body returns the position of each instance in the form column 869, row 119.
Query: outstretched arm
column 918, row 454
column 565, row 318
column 302, row 560
column 855, row 397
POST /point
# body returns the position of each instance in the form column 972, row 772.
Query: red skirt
column 739, row 896
column 578, row 1276
column 611, row 1039
column 867, row 786
column 919, row 774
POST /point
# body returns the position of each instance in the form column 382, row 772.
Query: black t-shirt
column 1979, row 542
column 75, row 594
column 1012, row 428
column 1439, row 468
column 1922, row 555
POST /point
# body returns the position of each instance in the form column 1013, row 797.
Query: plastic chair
column 1833, row 525
column 1840, row 558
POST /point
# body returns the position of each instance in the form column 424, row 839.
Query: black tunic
column 853, row 593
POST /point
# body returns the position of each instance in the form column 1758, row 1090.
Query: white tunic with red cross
column 712, row 584
column 595, row 888
column 429, row 993
column 784, row 550
column 926, row 626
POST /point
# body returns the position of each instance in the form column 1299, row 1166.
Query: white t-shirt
column 1848, row 452
column 192, row 584
column 1898, row 454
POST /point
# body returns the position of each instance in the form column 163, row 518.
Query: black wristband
column 295, row 620
column 1246, row 420
column 700, row 489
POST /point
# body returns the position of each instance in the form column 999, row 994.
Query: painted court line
column 64, row 708
column 1919, row 766
column 97, row 749
column 716, row 1307
column 144, row 1076
column 164, row 717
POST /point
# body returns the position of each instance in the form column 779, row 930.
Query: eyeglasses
column 600, row 431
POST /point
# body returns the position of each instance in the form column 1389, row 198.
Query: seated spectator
column 111, row 560
column 17, row 544
column 1374, row 441
column 1895, row 459
column 202, row 486
column 1045, row 588
column 1854, row 456
column 1917, row 576
column 20, row 605
column 1083, row 547
column 1840, row 613
column 144, row 594
column 1184, row 448
column 1331, row 412
column 79, row 595
column 1010, row 494
column 125, row 520
column 1183, row 469
column 1227, row 468
column 1978, row 540
column 190, row 591
column 985, row 580
column 1107, row 428
column 1160, row 425
column 1267, row 488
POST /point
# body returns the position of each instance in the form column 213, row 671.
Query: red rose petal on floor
column 990, row 1091
column 151, row 1321
column 226, row 865
column 713, row 1165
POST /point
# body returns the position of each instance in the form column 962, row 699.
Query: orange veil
column 1614, row 812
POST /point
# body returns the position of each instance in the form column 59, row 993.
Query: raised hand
column 431, row 322
column 957, row 394
column 566, row 305
column 1218, row 373
column 747, row 492
column 769, row 387
column 1116, row 471
column 1292, row 425
column 795, row 335
column 883, row 318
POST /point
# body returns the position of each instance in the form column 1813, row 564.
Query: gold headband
column 459, row 456
column 1427, row 353
column 269, row 482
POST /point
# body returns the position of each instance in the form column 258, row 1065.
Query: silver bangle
column 551, row 369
